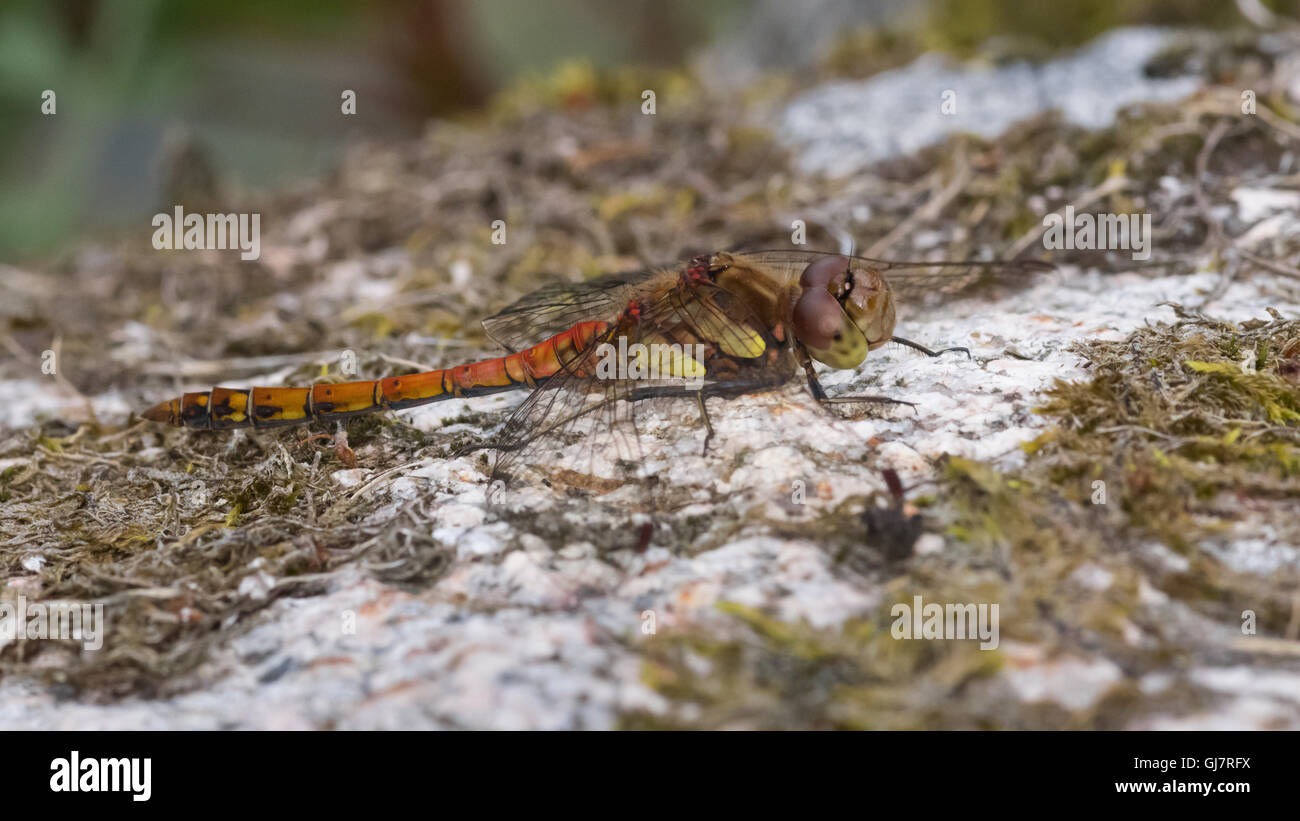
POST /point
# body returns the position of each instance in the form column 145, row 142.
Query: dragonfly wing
column 910, row 277
column 554, row 308
column 555, row 430
column 584, row 420
column 914, row 279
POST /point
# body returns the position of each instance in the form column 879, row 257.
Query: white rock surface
column 531, row 638
column 840, row 128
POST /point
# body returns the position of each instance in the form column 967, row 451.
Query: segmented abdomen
column 223, row 408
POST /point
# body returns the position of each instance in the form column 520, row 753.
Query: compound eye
column 817, row 319
column 824, row 272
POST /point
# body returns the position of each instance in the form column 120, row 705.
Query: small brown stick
column 1285, row 126
column 1293, row 626
column 931, row 210
column 1263, row 17
column 1269, row 264
column 406, row 363
column 1202, row 167
column 57, row 346
column 1111, row 185
column 311, row 438
column 1219, row 238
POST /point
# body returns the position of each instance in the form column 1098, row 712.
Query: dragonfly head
column 842, row 312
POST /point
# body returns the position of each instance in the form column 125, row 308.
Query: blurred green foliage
column 960, row 26
column 248, row 92
column 252, row 89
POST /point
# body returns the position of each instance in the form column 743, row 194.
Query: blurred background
column 159, row 102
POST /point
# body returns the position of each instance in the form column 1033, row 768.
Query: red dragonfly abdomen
column 224, row 408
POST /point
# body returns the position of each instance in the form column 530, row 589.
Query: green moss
column 1243, row 392
column 767, row 674
column 578, row 85
column 865, row 51
column 1168, row 427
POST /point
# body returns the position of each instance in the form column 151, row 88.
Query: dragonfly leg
column 708, row 426
column 819, row 393
column 916, row 346
column 869, row 397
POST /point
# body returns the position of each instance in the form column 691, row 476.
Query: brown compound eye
column 826, row 273
column 818, row 318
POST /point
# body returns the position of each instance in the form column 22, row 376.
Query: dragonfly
column 724, row 324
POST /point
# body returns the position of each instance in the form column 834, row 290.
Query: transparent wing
column 558, row 307
column 581, row 425
column 913, row 277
